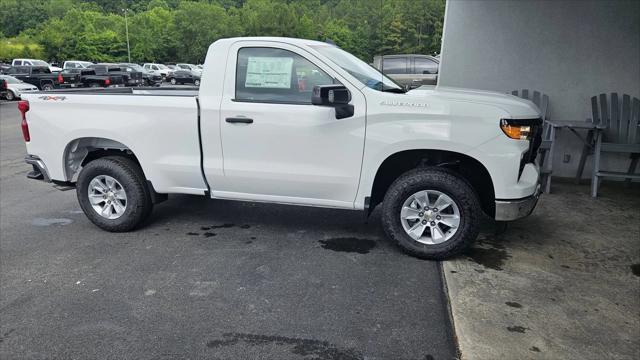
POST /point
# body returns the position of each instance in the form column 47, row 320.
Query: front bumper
column 39, row 171
column 509, row 210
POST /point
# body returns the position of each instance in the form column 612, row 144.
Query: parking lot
column 206, row 279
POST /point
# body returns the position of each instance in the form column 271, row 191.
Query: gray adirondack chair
column 620, row 135
column 544, row 156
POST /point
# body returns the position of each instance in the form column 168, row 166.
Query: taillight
column 107, row 82
column 23, row 106
column 60, row 78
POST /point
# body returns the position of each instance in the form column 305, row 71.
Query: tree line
column 181, row 30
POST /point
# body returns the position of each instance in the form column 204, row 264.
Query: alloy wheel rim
column 430, row 217
column 107, row 197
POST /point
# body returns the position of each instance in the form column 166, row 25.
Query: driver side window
column 276, row 75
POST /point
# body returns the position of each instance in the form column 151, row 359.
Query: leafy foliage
column 182, row 30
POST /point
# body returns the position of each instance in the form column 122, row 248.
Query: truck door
column 276, row 145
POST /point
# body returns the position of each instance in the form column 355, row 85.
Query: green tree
column 152, row 35
column 199, row 24
column 276, row 18
column 182, row 30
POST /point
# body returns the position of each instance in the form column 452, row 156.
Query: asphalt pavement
column 205, row 279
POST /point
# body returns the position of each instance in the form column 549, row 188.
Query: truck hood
column 515, row 106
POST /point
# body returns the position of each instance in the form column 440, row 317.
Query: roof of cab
column 294, row 41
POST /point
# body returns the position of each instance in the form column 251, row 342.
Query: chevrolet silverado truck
column 297, row 122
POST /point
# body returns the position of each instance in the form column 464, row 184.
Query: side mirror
column 336, row 96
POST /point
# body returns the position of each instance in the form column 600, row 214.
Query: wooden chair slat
column 635, row 122
column 536, row 98
column 544, row 107
column 614, row 120
column 604, row 110
column 625, row 119
column 595, row 117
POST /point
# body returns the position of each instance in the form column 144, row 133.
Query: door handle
column 239, row 120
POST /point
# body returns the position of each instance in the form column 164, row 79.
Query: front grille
column 530, row 155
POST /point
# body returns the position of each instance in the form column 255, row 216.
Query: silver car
column 410, row 70
column 16, row 87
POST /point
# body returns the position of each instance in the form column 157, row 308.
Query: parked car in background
column 40, row 76
column 3, row 87
column 34, row 62
column 162, row 69
column 183, row 76
column 172, row 67
column 190, row 67
column 149, row 78
column 130, row 78
column 76, row 64
column 14, row 88
column 409, row 70
column 4, row 67
column 89, row 78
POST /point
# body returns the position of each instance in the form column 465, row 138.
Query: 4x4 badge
column 54, row 98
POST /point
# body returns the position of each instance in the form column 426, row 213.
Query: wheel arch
column 80, row 151
column 467, row 167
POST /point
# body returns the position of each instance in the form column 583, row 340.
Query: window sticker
column 269, row 72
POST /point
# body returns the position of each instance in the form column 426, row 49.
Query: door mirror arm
column 335, row 96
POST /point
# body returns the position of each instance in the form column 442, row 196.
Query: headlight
column 519, row 129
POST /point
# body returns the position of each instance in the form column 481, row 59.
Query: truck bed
column 160, row 126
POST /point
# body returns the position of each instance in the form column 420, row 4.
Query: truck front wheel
column 431, row 213
column 113, row 194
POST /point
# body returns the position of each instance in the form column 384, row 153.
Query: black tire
column 196, row 82
column 10, row 96
column 442, row 180
column 173, row 81
column 130, row 176
column 47, row 87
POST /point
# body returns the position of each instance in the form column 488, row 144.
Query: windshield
column 362, row 71
column 39, row 63
column 162, row 66
column 10, row 79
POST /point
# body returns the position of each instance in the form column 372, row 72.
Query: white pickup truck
column 295, row 122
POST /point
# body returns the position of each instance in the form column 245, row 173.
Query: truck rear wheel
column 431, row 213
column 113, row 194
